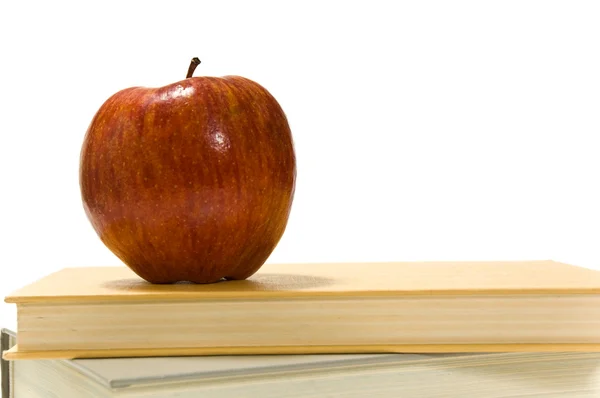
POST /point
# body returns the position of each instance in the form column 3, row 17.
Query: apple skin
column 193, row 181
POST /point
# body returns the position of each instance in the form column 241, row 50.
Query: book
column 313, row 309
column 7, row 340
column 474, row 375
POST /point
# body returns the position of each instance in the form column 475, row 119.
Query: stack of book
column 426, row 329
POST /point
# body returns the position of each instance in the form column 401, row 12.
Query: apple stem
column 195, row 62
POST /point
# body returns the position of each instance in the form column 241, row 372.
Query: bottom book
column 494, row 375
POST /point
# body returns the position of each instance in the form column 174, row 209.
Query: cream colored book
column 313, row 309
column 476, row 375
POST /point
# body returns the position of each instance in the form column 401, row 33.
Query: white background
column 448, row 130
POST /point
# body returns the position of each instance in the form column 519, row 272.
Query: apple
column 192, row 181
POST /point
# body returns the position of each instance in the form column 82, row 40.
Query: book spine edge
column 7, row 340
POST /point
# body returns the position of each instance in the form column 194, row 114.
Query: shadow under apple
column 259, row 282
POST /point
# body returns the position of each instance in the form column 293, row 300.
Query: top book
column 313, row 308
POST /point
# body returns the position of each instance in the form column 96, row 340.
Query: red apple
column 192, row 181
